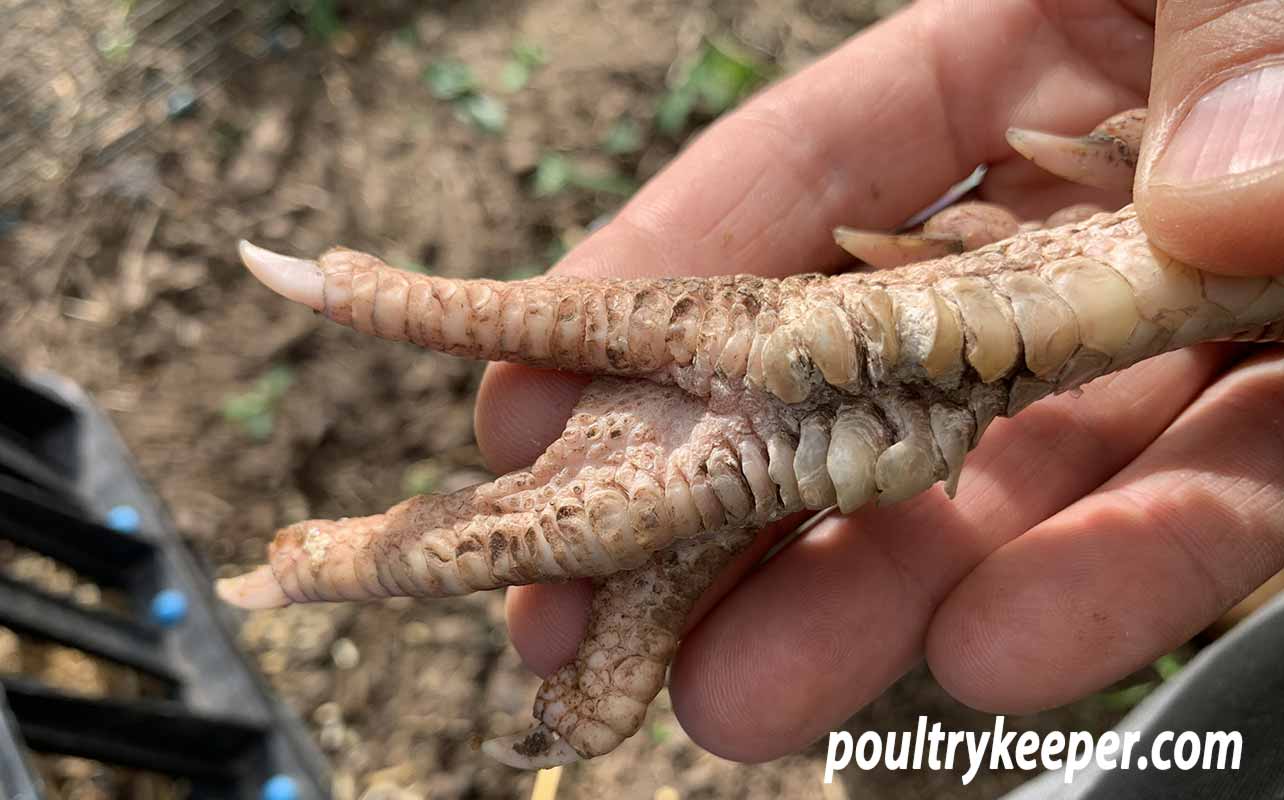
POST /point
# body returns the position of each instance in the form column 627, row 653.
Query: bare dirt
column 247, row 413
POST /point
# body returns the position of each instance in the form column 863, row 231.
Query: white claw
column 537, row 748
column 1093, row 160
column 888, row 250
column 254, row 590
column 297, row 279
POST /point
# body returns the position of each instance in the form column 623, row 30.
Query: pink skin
column 1048, row 577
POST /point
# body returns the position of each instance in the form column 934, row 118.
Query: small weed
column 322, row 18
column 483, row 111
column 115, row 45
column 454, row 81
column 521, row 272
column 660, row 733
column 720, row 76
column 421, row 477
column 449, row 80
column 1125, row 699
column 624, row 137
column 1167, row 666
column 605, row 183
column 530, row 54
column 556, row 173
column 407, row 35
column 254, row 410
column 552, row 175
column 517, row 71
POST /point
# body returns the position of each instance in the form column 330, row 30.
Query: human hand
column 1089, row 534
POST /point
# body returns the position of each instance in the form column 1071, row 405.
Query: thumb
column 1210, row 179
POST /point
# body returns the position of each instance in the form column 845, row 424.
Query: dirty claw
column 256, row 589
column 1105, row 158
column 537, row 748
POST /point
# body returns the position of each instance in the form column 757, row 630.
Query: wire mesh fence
column 82, row 81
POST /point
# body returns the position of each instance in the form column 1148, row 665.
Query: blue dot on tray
column 124, row 519
column 280, row 787
column 169, row 607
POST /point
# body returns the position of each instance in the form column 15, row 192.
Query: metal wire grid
column 84, row 80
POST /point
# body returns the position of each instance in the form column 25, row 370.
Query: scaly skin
column 727, row 403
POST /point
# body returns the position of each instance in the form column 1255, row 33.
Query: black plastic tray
column 64, row 473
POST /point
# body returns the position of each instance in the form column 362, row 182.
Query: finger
column 520, row 411
column 840, row 614
column 865, row 137
column 547, row 621
column 1129, row 573
column 1210, row 185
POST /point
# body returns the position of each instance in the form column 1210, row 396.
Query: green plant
column 660, row 733
column 254, row 410
column 449, row 80
column 1165, row 667
column 623, row 137
column 721, row 75
column 555, row 173
column 453, row 81
column 115, row 43
column 322, row 18
column 483, row 111
column 525, row 59
column 421, row 477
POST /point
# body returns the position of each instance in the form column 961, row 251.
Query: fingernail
column 1236, row 128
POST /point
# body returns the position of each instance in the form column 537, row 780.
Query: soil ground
column 246, row 413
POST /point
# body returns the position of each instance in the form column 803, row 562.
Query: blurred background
column 139, row 139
